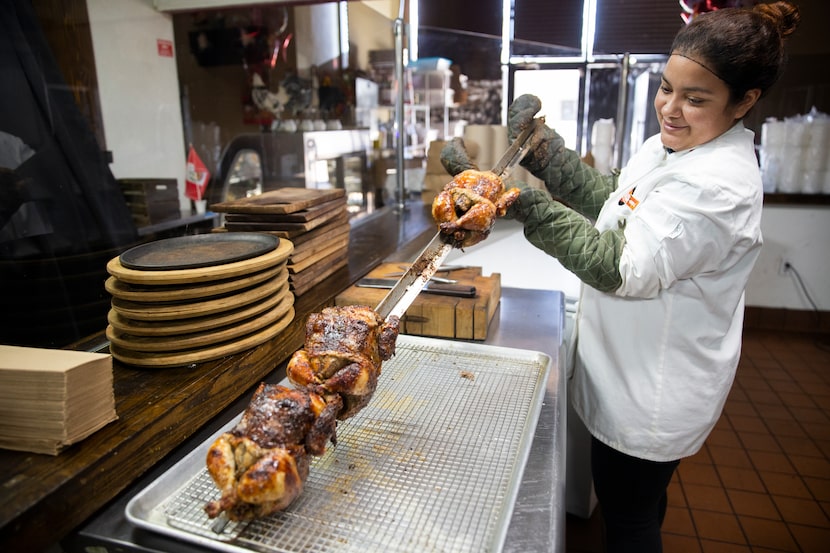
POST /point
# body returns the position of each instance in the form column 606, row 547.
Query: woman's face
column 693, row 105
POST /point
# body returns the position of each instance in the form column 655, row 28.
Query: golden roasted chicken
column 466, row 209
column 261, row 465
column 344, row 349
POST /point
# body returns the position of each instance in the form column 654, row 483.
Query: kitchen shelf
column 431, row 96
column 776, row 198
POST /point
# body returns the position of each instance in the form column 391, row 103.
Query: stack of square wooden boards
column 315, row 221
column 52, row 398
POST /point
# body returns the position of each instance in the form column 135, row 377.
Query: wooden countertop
column 42, row 498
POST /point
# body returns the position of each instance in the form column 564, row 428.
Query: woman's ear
column 750, row 98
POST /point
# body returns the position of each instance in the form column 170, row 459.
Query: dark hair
column 744, row 47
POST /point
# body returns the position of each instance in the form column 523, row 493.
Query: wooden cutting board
column 286, row 226
column 302, row 281
column 318, row 255
column 281, row 201
column 434, row 315
column 300, row 216
column 299, row 236
column 307, row 249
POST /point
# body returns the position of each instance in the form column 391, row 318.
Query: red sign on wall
column 165, row 47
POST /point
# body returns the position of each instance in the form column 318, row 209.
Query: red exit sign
column 165, row 47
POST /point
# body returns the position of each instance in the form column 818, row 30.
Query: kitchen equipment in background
column 326, row 159
column 245, row 177
column 366, row 94
column 602, row 145
column 630, row 105
column 151, row 201
column 640, row 122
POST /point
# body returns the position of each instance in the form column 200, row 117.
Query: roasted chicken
column 344, row 349
column 466, row 209
column 261, row 465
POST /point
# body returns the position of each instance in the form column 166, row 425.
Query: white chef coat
column 655, row 360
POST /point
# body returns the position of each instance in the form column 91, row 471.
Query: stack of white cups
column 794, row 154
column 602, row 144
column 773, row 140
column 792, row 170
column 816, row 166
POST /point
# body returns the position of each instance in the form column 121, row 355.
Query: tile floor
column 761, row 483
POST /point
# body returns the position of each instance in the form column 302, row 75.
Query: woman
column 664, row 258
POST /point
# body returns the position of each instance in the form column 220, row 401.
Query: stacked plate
column 315, row 221
column 195, row 298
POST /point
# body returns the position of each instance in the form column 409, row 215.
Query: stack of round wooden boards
column 190, row 299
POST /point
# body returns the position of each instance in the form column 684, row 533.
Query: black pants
column 632, row 498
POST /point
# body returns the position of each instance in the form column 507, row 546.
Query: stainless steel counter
column 527, row 319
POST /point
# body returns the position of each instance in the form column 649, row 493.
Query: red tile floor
column 761, row 483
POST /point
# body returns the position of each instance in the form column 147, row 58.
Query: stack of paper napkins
column 51, row 398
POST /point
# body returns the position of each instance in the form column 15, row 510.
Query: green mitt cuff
column 454, row 157
column 591, row 255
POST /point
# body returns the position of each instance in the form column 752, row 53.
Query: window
column 636, row 26
column 559, row 91
column 542, row 27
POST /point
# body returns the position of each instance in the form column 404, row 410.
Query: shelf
column 776, row 198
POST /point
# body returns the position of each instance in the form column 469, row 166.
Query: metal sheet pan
column 433, row 463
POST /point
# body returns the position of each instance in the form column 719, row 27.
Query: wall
column 139, row 90
column 317, row 35
column 214, row 95
column 369, row 29
column 800, row 235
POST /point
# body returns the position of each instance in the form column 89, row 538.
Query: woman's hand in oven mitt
column 558, row 230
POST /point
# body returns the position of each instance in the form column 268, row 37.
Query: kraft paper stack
column 50, row 398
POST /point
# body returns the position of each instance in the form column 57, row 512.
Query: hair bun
column 784, row 15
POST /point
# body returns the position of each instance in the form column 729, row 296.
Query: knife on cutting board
column 416, row 278
column 432, row 287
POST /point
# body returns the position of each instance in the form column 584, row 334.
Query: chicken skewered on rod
column 262, row 463
column 466, row 209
